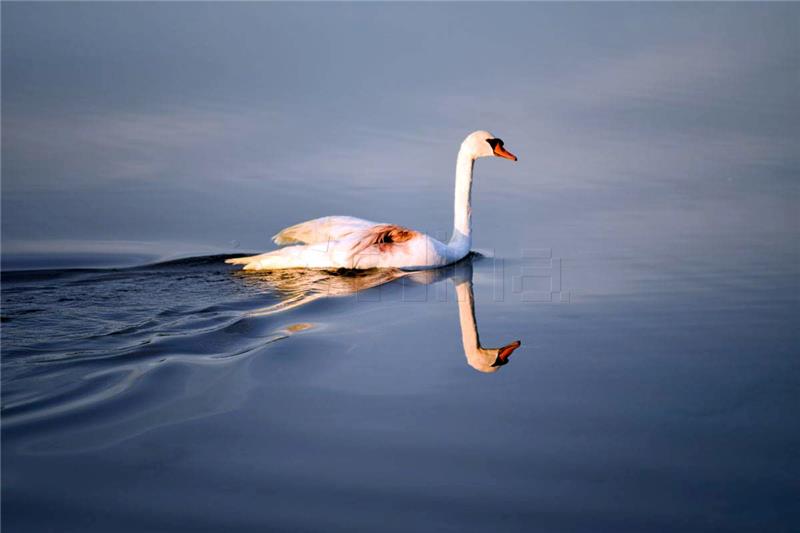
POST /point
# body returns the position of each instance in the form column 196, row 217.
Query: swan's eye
column 494, row 142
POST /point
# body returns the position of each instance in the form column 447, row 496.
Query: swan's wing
column 382, row 236
column 360, row 249
column 322, row 230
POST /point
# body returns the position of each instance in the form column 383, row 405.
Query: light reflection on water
column 94, row 352
column 353, row 389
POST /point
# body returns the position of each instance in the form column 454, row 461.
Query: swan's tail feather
column 255, row 262
column 290, row 257
column 240, row 260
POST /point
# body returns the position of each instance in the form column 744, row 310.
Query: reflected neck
column 466, row 317
column 462, row 220
column 479, row 358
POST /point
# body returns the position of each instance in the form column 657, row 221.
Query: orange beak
column 505, row 351
column 499, row 151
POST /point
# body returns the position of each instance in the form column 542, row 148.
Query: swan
column 335, row 242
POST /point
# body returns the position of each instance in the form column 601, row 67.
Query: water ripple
column 74, row 339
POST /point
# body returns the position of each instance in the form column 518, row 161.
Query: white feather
column 355, row 243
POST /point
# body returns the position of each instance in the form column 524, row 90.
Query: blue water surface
column 644, row 250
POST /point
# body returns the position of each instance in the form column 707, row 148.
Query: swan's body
column 354, row 243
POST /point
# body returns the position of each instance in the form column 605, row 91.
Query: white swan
column 354, row 243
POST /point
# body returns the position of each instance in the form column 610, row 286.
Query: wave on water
column 74, row 338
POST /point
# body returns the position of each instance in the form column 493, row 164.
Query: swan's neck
column 462, row 222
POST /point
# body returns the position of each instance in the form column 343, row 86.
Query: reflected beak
column 499, row 151
column 506, row 351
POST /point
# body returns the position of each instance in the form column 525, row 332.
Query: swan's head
column 490, row 360
column 484, row 144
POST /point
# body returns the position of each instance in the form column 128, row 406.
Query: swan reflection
column 298, row 287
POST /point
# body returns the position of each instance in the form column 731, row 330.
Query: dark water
column 189, row 396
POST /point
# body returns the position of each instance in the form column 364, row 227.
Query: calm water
column 644, row 250
column 187, row 395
